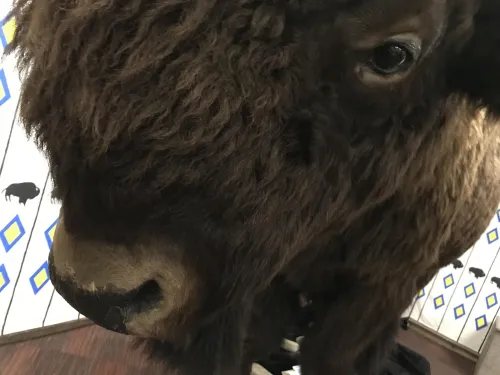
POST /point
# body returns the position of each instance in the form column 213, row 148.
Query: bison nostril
column 109, row 307
column 145, row 297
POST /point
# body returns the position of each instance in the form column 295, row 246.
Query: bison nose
column 138, row 288
column 110, row 309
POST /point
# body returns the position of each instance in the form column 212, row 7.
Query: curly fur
column 236, row 129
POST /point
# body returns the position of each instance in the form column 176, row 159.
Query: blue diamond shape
column 469, row 290
column 4, row 278
column 459, row 311
column 493, row 234
column 481, row 322
column 491, row 300
column 439, row 302
column 40, row 278
column 421, row 294
column 450, row 280
column 48, row 237
column 4, row 87
column 10, row 244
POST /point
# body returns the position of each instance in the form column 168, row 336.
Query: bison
column 218, row 160
column 23, row 190
column 477, row 272
column 496, row 280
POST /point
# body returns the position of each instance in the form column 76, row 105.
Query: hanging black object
column 404, row 361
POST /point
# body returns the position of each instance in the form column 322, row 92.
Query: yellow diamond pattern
column 491, row 300
column 469, row 290
column 9, row 29
column 439, row 301
column 492, row 236
column 481, row 322
column 448, row 281
column 52, row 231
column 12, row 233
column 40, row 278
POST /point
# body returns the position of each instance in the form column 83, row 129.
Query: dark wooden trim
column 43, row 331
column 444, row 341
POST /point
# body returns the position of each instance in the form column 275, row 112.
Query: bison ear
column 475, row 71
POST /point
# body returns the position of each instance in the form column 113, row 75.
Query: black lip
column 104, row 308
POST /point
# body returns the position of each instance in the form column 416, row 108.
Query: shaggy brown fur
column 253, row 136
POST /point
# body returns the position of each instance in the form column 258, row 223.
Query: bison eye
column 391, row 58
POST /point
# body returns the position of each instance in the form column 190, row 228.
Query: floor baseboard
column 444, row 341
column 43, row 331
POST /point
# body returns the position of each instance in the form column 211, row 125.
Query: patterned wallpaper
column 28, row 217
column 463, row 299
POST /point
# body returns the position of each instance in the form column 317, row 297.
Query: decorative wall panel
column 28, row 217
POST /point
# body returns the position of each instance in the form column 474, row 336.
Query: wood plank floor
column 94, row 351
column 443, row 361
column 85, row 351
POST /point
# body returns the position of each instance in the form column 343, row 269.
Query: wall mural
column 460, row 303
column 28, row 216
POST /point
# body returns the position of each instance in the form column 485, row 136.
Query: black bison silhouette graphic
column 496, row 280
column 477, row 272
column 22, row 190
column 457, row 264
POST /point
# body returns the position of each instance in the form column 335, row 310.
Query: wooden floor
column 84, row 351
column 443, row 361
column 94, row 351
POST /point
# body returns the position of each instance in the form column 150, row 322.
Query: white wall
column 27, row 298
column 460, row 304
column 455, row 303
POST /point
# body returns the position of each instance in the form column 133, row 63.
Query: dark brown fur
column 238, row 131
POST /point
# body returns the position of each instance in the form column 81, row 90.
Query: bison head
column 216, row 158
